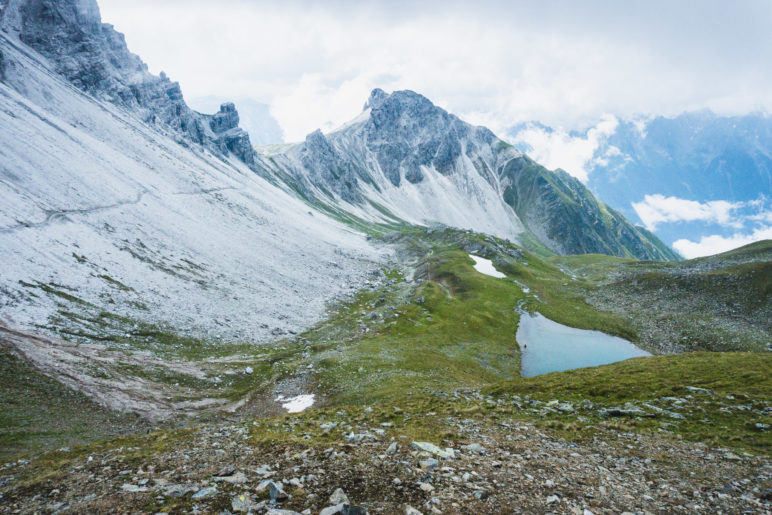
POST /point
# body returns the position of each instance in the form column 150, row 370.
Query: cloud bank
column 496, row 63
column 709, row 245
column 560, row 149
column 741, row 222
column 657, row 209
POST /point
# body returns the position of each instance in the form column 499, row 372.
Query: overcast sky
column 492, row 62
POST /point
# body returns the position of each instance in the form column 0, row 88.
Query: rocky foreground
column 389, row 460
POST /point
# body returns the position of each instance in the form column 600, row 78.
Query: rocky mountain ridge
column 94, row 57
column 405, row 158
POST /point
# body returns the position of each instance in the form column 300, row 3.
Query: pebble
column 428, row 464
column 236, row 479
column 433, row 449
column 339, row 497
column 205, row 493
column 276, row 492
column 264, row 470
column 426, row 487
column 343, row 509
column 226, row 471
column 243, row 503
column 474, row 448
column 177, row 490
column 133, row 488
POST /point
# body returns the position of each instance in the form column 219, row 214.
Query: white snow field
column 485, row 266
column 98, row 206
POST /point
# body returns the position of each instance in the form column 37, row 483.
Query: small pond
column 547, row 346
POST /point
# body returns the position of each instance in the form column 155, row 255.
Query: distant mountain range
column 690, row 176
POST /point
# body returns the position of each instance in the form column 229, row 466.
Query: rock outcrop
column 407, row 133
column 328, row 168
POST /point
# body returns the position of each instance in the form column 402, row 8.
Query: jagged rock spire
column 377, row 96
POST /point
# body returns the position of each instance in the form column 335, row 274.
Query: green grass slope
column 433, row 325
column 717, row 303
column 37, row 412
column 716, row 398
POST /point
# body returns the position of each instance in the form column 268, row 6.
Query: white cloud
column 764, row 216
column 658, row 209
column 750, row 221
column 312, row 99
column 561, row 62
column 574, row 154
column 715, row 244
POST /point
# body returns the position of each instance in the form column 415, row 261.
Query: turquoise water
column 547, row 346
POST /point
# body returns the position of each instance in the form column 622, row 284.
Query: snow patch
column 485, row 266
column 296, row 404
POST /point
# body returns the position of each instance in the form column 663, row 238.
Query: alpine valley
column 192, row 323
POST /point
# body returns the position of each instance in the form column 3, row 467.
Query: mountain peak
column 94, row 57
column 377, row 96
column 64, row 16
column 316, row 139
column 398, row 100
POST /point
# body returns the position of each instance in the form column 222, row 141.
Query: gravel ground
column 476, row 467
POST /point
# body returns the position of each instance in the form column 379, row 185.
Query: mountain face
column 116, row 197
column 94, row 57
column 571, row 220
column 405, row 158
column 114, row 207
